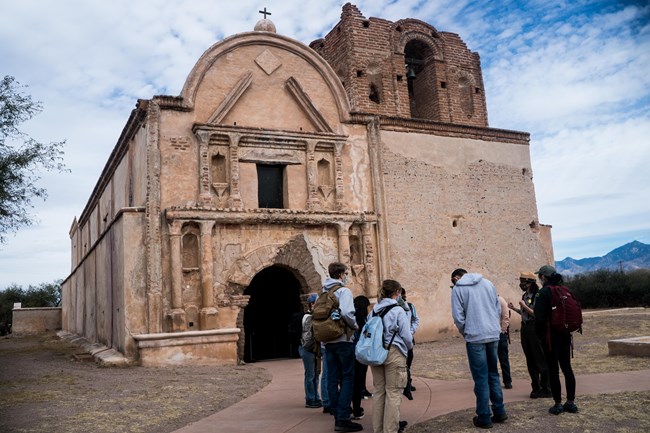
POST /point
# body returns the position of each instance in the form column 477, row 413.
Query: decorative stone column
column 338, row 173
column 312, row 182
column 208, row 313
column 177, row 314
column 343, row 229
column 204, row 167
column 369, row 260
column 235, row 194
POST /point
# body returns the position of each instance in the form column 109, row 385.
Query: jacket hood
column 329, row 282
column 469, row 280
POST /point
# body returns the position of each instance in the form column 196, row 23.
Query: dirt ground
column 44, row 388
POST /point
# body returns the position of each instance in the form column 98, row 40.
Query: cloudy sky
column 573, row 73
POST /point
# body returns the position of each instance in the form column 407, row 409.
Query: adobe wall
column 29, row 321
column 457, row 202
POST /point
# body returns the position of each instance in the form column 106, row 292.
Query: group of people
column 343, row 383
column 480, row 315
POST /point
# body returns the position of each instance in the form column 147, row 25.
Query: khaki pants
column 389, row 380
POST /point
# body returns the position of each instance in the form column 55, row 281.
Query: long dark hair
column 361, row 304
column 555, row 279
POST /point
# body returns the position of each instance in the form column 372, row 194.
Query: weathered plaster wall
column 28, row 321
column 454, row 202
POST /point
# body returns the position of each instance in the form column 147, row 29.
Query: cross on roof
column 265, row 13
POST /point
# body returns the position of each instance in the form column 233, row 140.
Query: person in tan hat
column 535, row 360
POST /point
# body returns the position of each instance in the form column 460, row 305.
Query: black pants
column 535, row 358
column 558, row 356
column 360, row 371
column 502, row 351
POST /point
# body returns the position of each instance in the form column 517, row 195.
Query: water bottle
column 336, row 315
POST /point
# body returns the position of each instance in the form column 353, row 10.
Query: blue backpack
column 370, row 348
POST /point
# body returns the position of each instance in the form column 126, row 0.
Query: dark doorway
column 274, row 298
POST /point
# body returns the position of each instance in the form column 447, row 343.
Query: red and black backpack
column 566, row 312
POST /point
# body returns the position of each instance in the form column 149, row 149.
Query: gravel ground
column 45, row 388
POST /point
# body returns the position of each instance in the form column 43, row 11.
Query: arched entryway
column 274, row 297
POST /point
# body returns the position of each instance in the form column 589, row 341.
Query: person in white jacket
column 476, row 311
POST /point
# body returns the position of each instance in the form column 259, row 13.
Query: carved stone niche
column 325, row 181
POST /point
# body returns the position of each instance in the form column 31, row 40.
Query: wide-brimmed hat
column 527, row 276
column 546, row 270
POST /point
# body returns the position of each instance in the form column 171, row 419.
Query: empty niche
column 324, row 172
column 190, row 251
column 218, row 169
column 373, row 95
column 355, row 250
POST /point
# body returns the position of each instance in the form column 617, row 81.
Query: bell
column 410, row 74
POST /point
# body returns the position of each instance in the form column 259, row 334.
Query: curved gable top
column 218, row 61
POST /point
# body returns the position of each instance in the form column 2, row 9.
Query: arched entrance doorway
column 274, row 297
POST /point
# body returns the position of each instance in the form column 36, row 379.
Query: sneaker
column 499, row 417
column 507, row 386
column 556, row 409
column 402, row 426
column 570, row 407
column 314, row 404
column 480, row 424
column 358, row 415
column 366, row 394
column 347, row 425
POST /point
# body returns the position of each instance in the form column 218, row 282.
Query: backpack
column 325, row 327
column 307, row 339
column 370, row 348
column 294, row 330
column 566, row 312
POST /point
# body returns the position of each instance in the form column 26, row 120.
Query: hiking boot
column 545, row 393
column 499, row 417
column 480, row 424
column 358, row 415
column 556, row 409
column 507, row 386
column 570, row 407
column 347, row 425
column 402, row 426
column 313, row 404
column 534, row 394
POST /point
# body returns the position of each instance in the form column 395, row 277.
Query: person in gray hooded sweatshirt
column 476, row 311
column 339, row 353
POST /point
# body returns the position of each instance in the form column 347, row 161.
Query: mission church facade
column 219, row 210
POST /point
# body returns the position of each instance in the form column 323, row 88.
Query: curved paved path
column 279, row 407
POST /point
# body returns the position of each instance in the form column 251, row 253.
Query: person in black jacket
column 556, row 344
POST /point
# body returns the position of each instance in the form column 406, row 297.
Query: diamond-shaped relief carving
column 268, row 62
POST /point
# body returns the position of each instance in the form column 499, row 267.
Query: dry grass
column 43, row 389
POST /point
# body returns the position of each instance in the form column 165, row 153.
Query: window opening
column 270, row 191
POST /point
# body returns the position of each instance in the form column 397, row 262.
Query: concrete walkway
column 279, row 407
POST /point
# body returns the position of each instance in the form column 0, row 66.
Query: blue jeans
column 484, row 365
column 311, row 376
column 340, row 378
column 323, row 377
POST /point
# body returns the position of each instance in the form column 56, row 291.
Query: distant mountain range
column 635, row 255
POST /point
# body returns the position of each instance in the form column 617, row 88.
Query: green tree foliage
column 22, row 158
column 43, row 295
column 612, row 289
